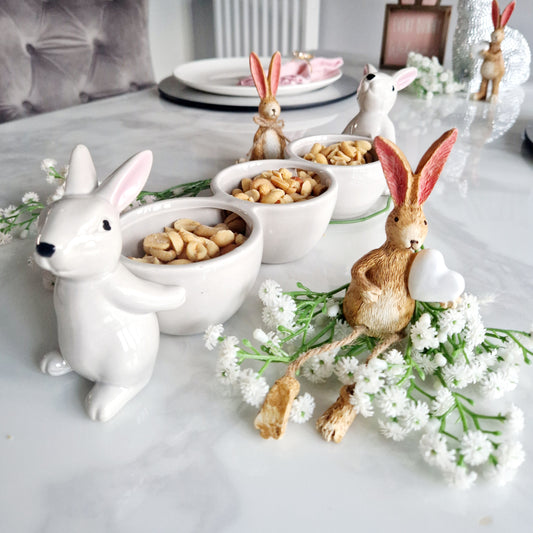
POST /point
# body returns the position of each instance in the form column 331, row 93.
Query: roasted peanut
column 223, row 238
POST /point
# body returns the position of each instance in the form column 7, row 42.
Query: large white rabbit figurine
column 107, row 327
column 376, row 95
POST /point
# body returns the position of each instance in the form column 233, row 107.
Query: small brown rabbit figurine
column 269, row 141
column 377, row 302
column 493, row 66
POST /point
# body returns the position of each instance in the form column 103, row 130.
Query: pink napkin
column 298, row 71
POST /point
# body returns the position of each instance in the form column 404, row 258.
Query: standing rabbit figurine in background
column 107, row 327
column 376, row 95
column 377, row 302
column 493, row 66
column 269, row 141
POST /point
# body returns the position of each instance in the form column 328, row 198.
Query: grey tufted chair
column 58, row 53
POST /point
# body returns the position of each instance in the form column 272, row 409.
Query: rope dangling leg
column 273, row 418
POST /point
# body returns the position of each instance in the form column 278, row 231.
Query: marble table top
column 184, row 457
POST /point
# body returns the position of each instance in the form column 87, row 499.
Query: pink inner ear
column 495, row 14
column 258, row 75
column 432, row 169
column 394, row 170
column 506, row 15
column 274, row 73
column 404, row 77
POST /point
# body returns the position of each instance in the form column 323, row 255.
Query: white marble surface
column 182, row 457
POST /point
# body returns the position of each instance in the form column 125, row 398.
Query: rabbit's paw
column 104, row 401
column 53, row 364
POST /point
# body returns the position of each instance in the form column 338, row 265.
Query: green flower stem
column 511, row 334
column 192, row 188
column 462, row 414
column 414, row 386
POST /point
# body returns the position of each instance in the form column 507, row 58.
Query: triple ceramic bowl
column 216, row 288
column 360, row 186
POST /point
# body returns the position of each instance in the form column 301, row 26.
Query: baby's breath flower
column 5, row 238
column 253, row 387
column 514, row 419
column 392, row 400
column 368, row 379
column 333, row 310
column 432, row 446
column 212, row 335
column 362, row 403
column 227, row 371
column 460, row 478
column 423, row 334
column 442, row 403
column 48, row 164
column 345, row 369
column 475, row 447
column 260, row 336
column 510, row 454
column 302, row 408
column 392, row 430
column 30, row 197
column 451, row 322
column 458, row 375
column 228, row 347
column 269, row 292
column 415, row 415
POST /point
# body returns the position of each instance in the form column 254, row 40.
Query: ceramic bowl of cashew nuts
column 352, row 161
column 270, row 211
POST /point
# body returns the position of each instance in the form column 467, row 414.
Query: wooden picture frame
column 414, row 25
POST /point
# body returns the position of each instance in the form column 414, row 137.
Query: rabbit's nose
column 45, row 249
column 414, row 243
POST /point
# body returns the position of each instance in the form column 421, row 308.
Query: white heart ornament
column 430, row 280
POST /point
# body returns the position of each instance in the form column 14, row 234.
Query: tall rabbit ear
column 81, row 172
column 274, row 73
column 495, row 14
column 506, row 15
column 369, row 69
column 395, row 167
column 404, row 77
column 431, row 165
column 126, row 182
column 258, row 75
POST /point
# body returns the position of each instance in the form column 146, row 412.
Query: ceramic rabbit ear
column 258, row 75
column 274, row 72
column 81, row 172
column 404, row 77
column 124, row 184
column 395, row 167
column 431, row 165
column 369, row 69
column 506, row 15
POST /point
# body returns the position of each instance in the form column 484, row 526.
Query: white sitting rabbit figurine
column 107, row 327
column 376, row 95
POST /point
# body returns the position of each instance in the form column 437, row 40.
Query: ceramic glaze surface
column 359, row 186
column 182, row 456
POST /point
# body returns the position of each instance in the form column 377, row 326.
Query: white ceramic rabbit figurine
column 376, row 95
column 107, row 327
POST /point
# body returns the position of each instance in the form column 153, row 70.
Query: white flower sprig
column 449, row 357
column 22, row 219
column 432, row 78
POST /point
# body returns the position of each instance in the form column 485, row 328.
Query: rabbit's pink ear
column 431, row 165
column 495, row 14
column 258, row 75
column 404, row 77
column 506, row 15
column 121, row 188
column 81, row 172
column 395, row 167
column 274, row 73
column 369, row 69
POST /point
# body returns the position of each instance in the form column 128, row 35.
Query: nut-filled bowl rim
column 224, row 182
column 172, row 206
column 295, row 148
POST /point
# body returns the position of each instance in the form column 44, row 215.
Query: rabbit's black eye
column 370, row 76
column 393, row 87
column 396, row 219
column 425, row 222
column 106, row 225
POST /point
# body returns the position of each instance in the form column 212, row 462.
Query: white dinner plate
column 222, row 75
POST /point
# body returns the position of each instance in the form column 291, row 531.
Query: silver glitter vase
column 474, row 25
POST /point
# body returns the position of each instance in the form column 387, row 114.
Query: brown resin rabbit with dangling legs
column 493, row 66
column 269, row 141
column 377, row 302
